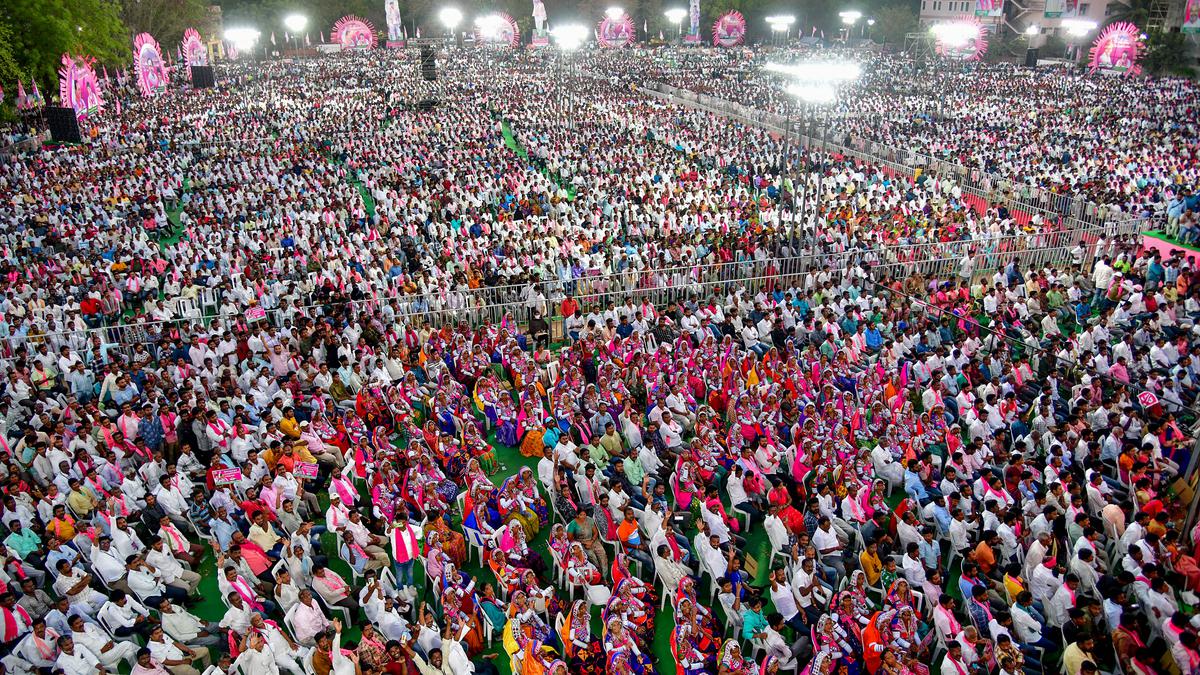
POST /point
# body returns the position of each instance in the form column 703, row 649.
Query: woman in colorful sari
column 618, row 640
column 877, row 638
column 694, row 652
column 512, row 542
column 436, row 559
column 730, row 660
column 543, row 599
column 580, row 570
column 688, row 484
column 516, row 507
column 329, row 434
column 453, row 543
column 559, row 667
column 699, row 614
column 906, row 629
column 771, row 665
column 477, row 448
column 579, row 645
column 639, row 589
column 823, row 663
column 480, row 515
column 527, row 485
column 460, row 612
column 857, row 589
column 560, row 545
column 505, row 572
column 828, row 635
column 900, row 595
column 626, row 663
column 617, row 607
column 495, row 608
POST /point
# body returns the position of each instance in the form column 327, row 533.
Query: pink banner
column 227, row 476
column 305, row 470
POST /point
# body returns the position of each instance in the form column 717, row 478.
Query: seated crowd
column 298, row 329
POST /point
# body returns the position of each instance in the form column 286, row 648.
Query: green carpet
column 175, row 233
column 1163, row 236
column 513, row 144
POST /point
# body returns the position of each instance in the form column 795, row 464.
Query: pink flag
column 37, row 95
column 814, row 32
column 22, row 100
column 105, row 69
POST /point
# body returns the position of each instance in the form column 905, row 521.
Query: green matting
column 211, row 608
column 1167, row 239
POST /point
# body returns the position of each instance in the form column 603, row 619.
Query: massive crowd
column 537, row 365
column 1121, row 146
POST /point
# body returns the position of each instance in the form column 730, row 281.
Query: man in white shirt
column 107, row 565
column 170, row 570
column 288, row 654
column 185, row 627
column 257, row 657
column 39, row 647
column 176, row 656
column 237, row 616
column 125, row 616
column 953, row 663
column 75, row 659
column 108, row 651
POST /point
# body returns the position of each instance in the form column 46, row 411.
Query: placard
column 305, row 470
column 227, row 476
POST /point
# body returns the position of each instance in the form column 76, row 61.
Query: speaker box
column 428, row 63
column 1031, row 57
column 64, row 126
column 203, row 78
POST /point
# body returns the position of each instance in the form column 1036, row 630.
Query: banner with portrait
column 1118, row 49
column 992, row 8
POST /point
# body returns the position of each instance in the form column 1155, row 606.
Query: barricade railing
column 993, row 189
column 939, row 260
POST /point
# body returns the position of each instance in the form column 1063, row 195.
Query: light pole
column 816, row 84
column 243, row 39
column 569, row 38
column 295, row 25
column 1076, row 28
column 781, row 23
column 849, row 18
column 450, row 18
column 676, row 16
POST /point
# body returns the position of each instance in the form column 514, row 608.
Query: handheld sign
column 305, row 470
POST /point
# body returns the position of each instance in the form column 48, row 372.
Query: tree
column 165, row 19
column 1136, row 12
column 40, row 31
column 893, row 23
column 1166, row 54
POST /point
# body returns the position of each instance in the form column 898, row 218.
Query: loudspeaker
column 64, row 126
column 203, row 78
column 1031, row 57
column 428, row 63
